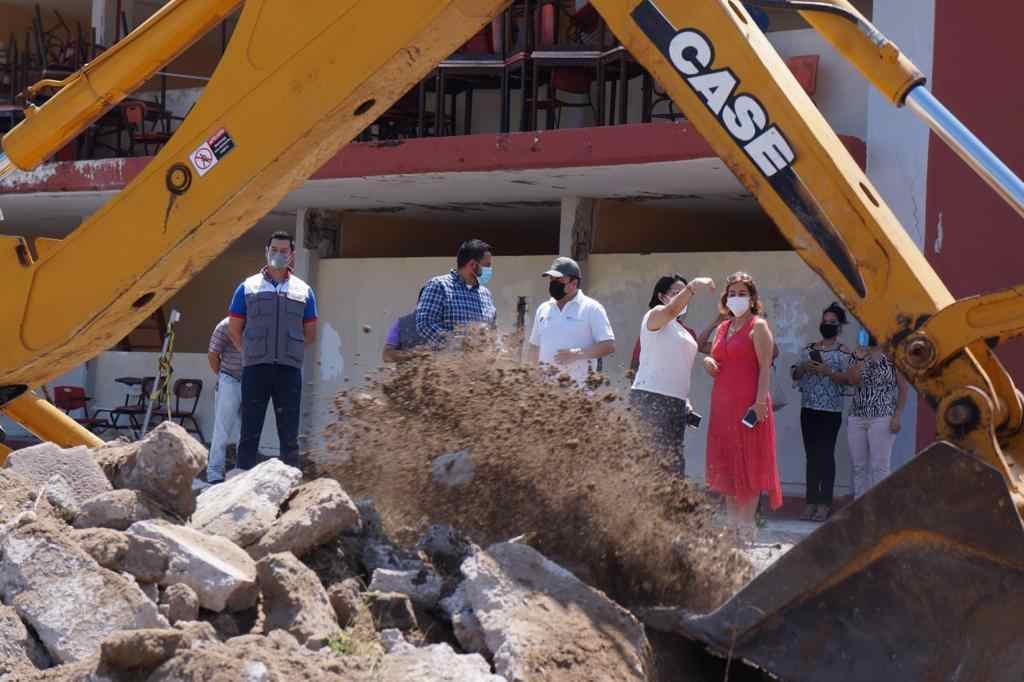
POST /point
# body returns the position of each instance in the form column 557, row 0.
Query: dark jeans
column 260, row 384
column 665, row 416
column 820, row 430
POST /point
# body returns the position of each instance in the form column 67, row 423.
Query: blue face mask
column 863, row 338
column 485, row 274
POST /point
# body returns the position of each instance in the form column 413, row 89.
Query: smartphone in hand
column 749, row 419
column 816, row 357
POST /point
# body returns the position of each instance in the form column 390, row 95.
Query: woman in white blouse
column 667, row 352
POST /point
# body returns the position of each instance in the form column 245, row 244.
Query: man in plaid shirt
column 460, row 298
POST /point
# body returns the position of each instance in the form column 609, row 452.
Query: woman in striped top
column 875, row 417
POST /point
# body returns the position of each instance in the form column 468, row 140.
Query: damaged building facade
column 542, row 154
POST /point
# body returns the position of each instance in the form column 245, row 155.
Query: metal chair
column 184, row 389
column 72, row 398
column 134, row 412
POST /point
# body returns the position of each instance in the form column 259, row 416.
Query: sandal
column 809, row 512
column 822, row 513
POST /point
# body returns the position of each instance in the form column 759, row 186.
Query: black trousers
column 820, row 430
column 665, row 416
column 260, row 385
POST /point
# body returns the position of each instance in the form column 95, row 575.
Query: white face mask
column 739, row 305
column 683, row 311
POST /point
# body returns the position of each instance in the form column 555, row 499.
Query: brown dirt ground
column 570, row 470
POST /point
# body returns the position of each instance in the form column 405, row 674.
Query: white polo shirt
column 581, row 323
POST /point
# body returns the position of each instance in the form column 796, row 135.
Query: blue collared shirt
column 448, row 303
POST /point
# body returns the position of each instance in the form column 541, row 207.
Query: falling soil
column 569, row 469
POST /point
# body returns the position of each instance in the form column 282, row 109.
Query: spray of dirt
column 570, row 470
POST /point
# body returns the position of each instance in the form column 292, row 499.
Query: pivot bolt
column 962, row 414
column 920, row 353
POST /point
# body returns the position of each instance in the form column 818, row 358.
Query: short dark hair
column 663, row 285
column 281, row 234
column 836, row 310
column 474, row 249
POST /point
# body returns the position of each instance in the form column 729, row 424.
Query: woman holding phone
column 741, row 460
column 820, row 376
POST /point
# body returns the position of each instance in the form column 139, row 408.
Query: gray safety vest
column 273, row 321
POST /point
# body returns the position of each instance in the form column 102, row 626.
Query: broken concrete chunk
column 422, row 586
column 71, row 602
column 18, row 648
column 436, row 662
column 446, row 547
column 244, row 508
column 143, row 558
column 221, row 574
column 294, row 600
column 197, row 631
column 515, row 593
column 182, row 603
column 60, row 493
column 283, row 639
column 81, row 474
column 152, row 592
column 454, row 469
column 379, row 553
column 117, row 509
column 140, row 649
column 468, row 632
column 347, row 599
column 162, row 465
column 16, row 494
column 391, row 610
column 391, row 639
column 107, row 547
column 317, row 512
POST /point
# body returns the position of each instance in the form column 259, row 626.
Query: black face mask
column 556, row 289
column 829, row 331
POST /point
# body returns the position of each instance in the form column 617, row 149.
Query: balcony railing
column 540, row 65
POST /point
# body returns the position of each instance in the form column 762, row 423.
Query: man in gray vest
column 273, row 317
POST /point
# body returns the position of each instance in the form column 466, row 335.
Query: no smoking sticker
column 209, row 154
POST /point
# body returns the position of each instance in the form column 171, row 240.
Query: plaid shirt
column 449, row 303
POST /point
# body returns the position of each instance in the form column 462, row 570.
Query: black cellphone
column 693, row 420
column 749, row 419
column 816, row 356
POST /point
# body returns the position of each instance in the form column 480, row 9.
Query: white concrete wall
column 373, row 292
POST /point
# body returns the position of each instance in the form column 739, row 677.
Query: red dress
column 740, row 461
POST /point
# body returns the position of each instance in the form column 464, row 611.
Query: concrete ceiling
column 497, row 196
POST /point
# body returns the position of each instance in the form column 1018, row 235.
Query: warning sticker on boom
column 209, row 154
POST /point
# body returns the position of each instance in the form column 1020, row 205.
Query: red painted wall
column 977, row 54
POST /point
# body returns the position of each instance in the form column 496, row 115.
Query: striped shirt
column 221, row 344
column 448, row 303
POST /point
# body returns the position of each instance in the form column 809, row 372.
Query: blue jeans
column 226, row 425
column 260, row 384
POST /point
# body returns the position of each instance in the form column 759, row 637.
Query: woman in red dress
column 741, row 459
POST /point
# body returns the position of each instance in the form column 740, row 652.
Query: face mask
column 484, row 276
column 683, row 311
column 277, row 260
column 556, row 289
column 829, row 331
column 738, row 305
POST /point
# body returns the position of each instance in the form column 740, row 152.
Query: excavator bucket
column 920, row 579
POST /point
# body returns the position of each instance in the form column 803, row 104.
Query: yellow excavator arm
column 322, row 73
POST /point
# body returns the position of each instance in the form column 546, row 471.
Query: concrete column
column 898, row 152
column 317, row 235
column 578, row 229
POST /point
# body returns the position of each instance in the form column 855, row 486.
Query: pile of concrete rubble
column 113, row 568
